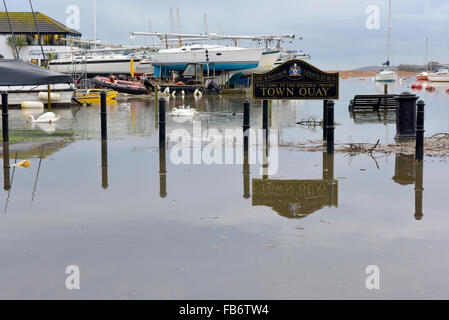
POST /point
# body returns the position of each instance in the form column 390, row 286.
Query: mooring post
column 246, row 125
column 155, row 106
column 162, row 123
column 104, row 164
column 162, row 172
column 419, row 190
column 103, row 115
column 385, row 88
column 6, row 175
column 419, row 153
column 325, row 119
column 5, row 115
column 265, row 120
column 330, row 127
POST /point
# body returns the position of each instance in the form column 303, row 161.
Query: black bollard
column 265, row 120
column 162, row 172
column 6, row 174
column 246, row 175
column 162, row 123
column 385, row 88
column 330, row 127
column 246, row 125
column 103, row 115
column 104, row 164
column 405, row 116
column 419, row 153
column 5, row 124
column 419, row 190
column 325, row 120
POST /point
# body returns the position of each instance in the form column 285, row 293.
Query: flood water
column 139, row 226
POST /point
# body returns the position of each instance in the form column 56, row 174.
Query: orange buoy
column 363, row 79
column 416, row 86
column 430, row 88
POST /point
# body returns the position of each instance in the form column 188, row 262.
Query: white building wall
column 29, row 53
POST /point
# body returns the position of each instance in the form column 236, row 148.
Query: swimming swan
column 48, row 117
column 184, row 111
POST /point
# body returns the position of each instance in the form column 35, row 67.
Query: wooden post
column 330, row 127
column 246, row 124
column 265, row 120
column 103, row 115
column 325, row 120
column 162, row 123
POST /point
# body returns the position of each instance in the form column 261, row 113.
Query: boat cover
column 21, row 73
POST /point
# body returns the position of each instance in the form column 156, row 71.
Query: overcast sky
column 333, row 32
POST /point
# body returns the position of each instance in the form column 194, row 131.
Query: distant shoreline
column 371, row 73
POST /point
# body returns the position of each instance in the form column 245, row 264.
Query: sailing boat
column 387, row 75
column 423, row 75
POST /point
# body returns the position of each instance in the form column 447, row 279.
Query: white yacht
column 103, row 64
column 215, row 58
column 387, row 75
column 439, row 76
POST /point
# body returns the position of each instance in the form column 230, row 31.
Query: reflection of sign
column 295, row 79
column 295, row 198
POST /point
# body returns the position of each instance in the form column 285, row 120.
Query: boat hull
column 19, row 94
column 438, row 78
column 94, row 67
column 120, row 86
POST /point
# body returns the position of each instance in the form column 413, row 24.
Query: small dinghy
column 132, row 87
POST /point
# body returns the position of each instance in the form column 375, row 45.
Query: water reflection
column 6, row 167
column 407, row 172
column 104, row 164
column 162, row 172
column 298, row 198
column 384, row 116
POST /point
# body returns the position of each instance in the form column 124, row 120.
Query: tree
column 20, row 43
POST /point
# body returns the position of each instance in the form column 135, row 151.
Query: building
column 52, row 34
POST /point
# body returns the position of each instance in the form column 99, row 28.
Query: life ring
column 180, row 83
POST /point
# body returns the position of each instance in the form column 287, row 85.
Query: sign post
column 297, row 80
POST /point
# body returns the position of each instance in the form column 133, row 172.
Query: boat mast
column 95, row 21
column 427, row 53
column 389, row 30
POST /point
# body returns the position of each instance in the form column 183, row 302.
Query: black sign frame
column 288, row 75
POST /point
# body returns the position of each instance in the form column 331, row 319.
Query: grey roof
column 23, row 22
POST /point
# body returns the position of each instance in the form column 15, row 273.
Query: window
column 219, row 54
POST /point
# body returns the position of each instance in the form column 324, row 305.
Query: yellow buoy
column 23, row 164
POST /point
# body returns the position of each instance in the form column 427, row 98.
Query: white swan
column 182, row 111
column 48, row 117
column 173, row 94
